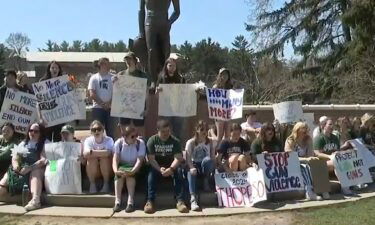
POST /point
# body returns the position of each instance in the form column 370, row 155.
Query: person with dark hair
column 267, row 142
column 233, row 154
column 164, row 156
column 170, row 75
column 343, row 130
column 200, row 158
column 98, row 150
column 131, row 64
column 28, row 163
column 10, row 82
column 101, row 89
column 223, row 81
column 24, row 83
column 250, row 128
column 129, row 155
column 7, row 141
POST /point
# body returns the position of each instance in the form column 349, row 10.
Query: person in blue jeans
column 200, row 156
column 165, row 156
column 101, row 89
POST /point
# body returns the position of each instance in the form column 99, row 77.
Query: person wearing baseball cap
column 67, row 134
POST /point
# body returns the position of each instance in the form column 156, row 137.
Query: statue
column 153, row 44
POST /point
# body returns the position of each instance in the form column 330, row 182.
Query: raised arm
column 176, row 12
column 141, row 18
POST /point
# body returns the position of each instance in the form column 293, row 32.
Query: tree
column 120, row 46
column 64, row 46
column 93, row 46
column 18, row 43
column 76, row 46
column 4, row 54
column 49, row 48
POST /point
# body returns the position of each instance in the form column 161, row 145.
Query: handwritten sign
column 80, row 96
column 224, row 104
column 57, row 103
column 178, row 100
column 350, row 168
column 365, row 153
column 129, row 97
column 19, row 108
column 288, row 112
column 281, row 171
column 63, row 173
column 240, row 189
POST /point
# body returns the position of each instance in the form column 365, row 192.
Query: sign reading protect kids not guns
column 240, row 189
column 281, row 171
column 57, row 103
column 224, row 104
column 350, row 168
column 19, row 108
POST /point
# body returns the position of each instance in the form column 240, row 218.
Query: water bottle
column 25, row 195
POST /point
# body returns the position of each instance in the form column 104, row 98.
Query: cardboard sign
column 63, row 173
column 350, row 168
column 80, row 96
column 129, row 97
column 240, row 189
column 320, row 176
column 288, row 112
column 224, row 104
column 365, row 153
column 282, row 171
column 57, row 103
column 310, row 120
column 19, row 108
column 178, row 100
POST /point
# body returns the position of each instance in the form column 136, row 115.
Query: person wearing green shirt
column 7, row 142
column 164, row 156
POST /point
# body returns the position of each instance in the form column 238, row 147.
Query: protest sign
column 288, row 112
column 240, row 189
column 18, row 108
column 63, row 172
column 350, row 168
column 178, row 100
column 310, row 120
column 129, row 97
column 282, row 171
column 57, row 103
column 224, row 104
column 80, row 96
column 365, row 153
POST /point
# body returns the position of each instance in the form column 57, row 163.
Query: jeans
column 152, row 181
column 205, row 168
column 105, row 118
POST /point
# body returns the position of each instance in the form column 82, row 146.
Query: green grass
column 352, row 213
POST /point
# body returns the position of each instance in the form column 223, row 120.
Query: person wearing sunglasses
column 164, row 156
column 97, row 151
column 200, row 156
column 129, row 155
column 28, row 167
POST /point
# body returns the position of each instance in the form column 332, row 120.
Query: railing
column 316, row 107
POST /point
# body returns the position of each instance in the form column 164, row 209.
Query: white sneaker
column 93, row 189
column 361, row 186
column 32, row 205
column 326, row 196
column 312, row 196
column 346, row 191
column 194, row 205
column 105, row 188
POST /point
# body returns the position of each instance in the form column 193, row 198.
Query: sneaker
column 360, row 186
column 149, row 207
column 346, row 191
column 130, row 208
column 181, row 207
column 105, row 188
column 194, row 205
column 32, row 205
column 117, row 208
column 93, row 189
column 326, row 196
column 311, row 196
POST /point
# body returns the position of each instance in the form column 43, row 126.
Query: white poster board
column 80, row 96
column 57, row 102
column 310, row 120
column 224, row 104
column 63, row 172
column 240, row 189
column 288, row 112
column 178, row 100
column 18, row 108
column 350, row 168
column 129, row 97
column 282, row 171
column 365, row 153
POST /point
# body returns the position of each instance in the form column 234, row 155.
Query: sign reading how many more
column 224, row 104
column 63, row 172
column 19, row 108
column 57, row 103
column 282, row 171
column 240, row 189
column 288, row 112
column 350, row 168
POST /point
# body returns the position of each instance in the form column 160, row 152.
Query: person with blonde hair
column 344, row 130
column 300, row 141
column 367, row 130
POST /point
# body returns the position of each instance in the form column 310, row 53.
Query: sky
column 114, row 20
